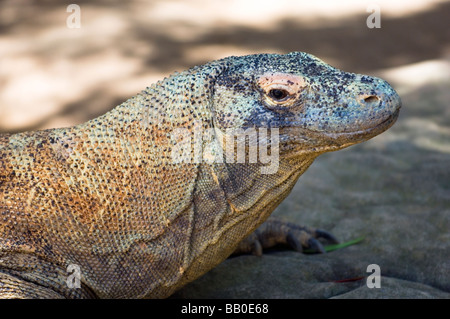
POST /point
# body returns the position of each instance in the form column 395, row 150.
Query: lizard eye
column 280, row 90
column 278, row 94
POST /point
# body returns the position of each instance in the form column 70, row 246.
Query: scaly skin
column 108, row 196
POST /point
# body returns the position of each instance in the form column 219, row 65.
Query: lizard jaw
column 330, row 142
column 368, row 133
column 346, row 139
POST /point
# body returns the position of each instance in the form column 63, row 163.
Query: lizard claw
column 326, row 235
column 274, row 232
column 316, row 246
column 294, row 242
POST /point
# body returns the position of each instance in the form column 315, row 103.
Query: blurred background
column 52, row 75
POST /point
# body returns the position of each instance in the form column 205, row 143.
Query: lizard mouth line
column 380, row 127
column 339, row 140
column 387, row 123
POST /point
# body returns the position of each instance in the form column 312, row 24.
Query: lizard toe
column 276, row 232
column 320, row 233
column 315, row 246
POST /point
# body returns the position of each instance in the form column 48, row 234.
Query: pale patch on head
column 281, row 89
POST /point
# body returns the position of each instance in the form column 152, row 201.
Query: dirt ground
column 52, row 76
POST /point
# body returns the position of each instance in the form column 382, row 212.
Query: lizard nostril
column 371, row 99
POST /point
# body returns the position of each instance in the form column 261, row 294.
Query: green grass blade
column 329, row 248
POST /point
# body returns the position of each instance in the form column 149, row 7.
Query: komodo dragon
column 114, row 197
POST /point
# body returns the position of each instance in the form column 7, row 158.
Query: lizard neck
column 248, row 191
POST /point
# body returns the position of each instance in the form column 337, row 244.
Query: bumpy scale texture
column 108, row 196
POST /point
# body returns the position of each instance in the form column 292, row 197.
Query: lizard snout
column 371, row 100
column 378, row 94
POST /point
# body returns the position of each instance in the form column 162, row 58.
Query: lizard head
column 309, row 108
column 316, row 107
